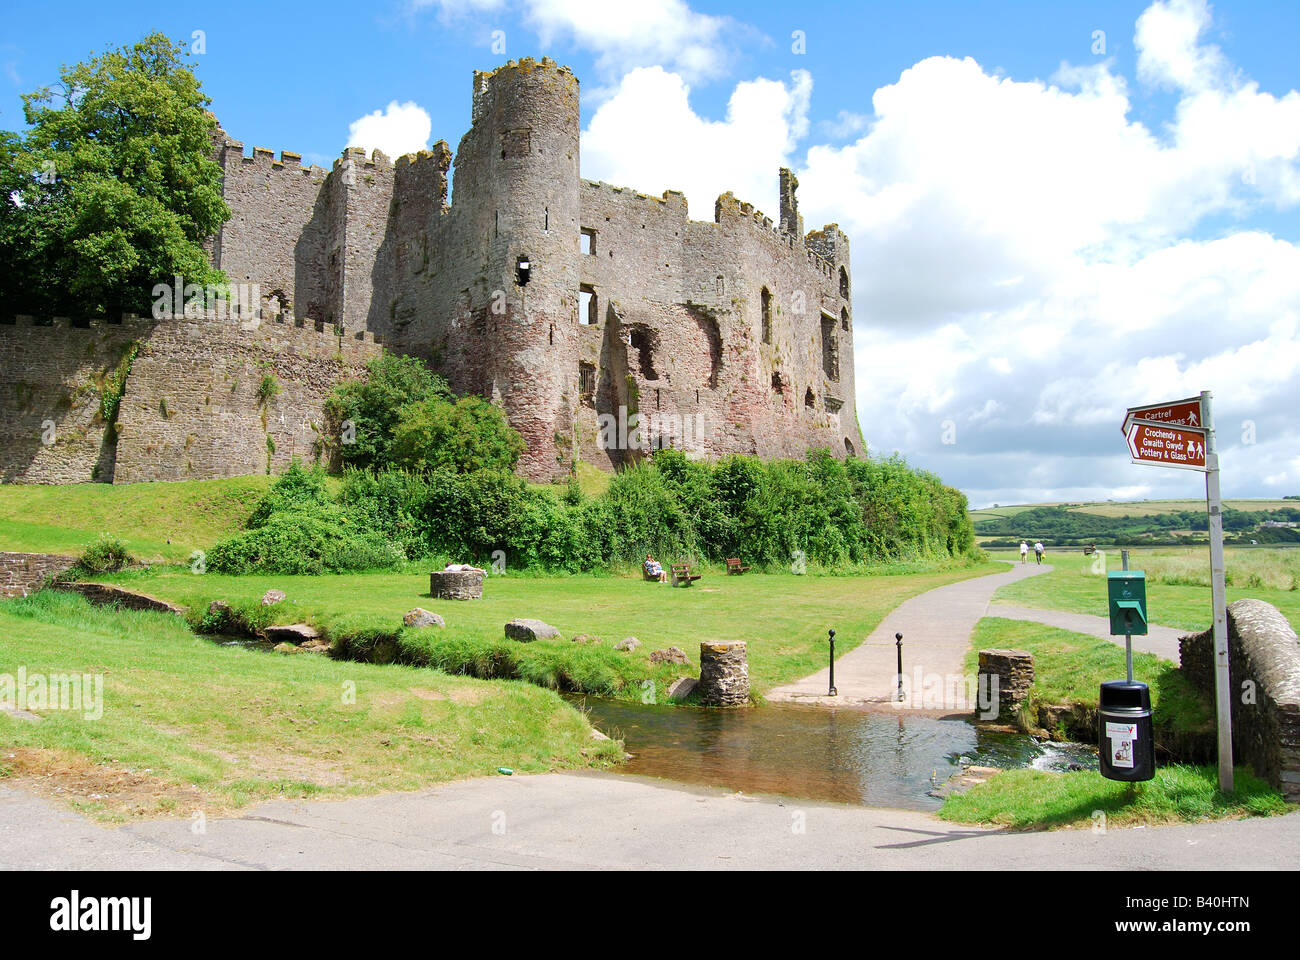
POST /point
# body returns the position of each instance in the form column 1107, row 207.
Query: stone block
column 456, row 584
column 724, row 673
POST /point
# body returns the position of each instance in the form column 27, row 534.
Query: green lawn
column 1034, row 799
column 784, row 617
column 189, row 725
column 1069, row 668
column 157, row 521
column 1073, row 585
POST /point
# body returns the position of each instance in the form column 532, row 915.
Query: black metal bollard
column 898, row 642
column 832, row 689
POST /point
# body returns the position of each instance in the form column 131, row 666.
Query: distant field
column 1178, row 591
column 1139, row 508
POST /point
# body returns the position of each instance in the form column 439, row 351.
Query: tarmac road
column 609, row 821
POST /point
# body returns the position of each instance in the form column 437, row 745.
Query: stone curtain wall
column 55, row 374
column 1264, row 663
column 22, row 573
column 190, row 408
column 192, row 411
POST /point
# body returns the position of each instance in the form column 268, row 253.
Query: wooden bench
column 734, row 566
column 647, row 575
column 682, row 576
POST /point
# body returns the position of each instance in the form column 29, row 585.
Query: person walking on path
column 1024, row 551
column 1038, row 551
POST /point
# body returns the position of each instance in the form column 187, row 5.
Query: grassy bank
column 1036, row 799
column 188, row 725
column 157, row 521
column 1069, row 669
column 1178, row 593
column 784, row 617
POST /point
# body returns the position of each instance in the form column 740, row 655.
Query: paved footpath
column 1162, row 641
column 936, row 628
column 610, row 821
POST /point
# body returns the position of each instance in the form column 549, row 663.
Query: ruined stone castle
column 569, row 302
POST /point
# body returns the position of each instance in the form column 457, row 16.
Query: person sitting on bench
column 653, row 570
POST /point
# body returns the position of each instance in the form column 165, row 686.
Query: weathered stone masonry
column 560, row 298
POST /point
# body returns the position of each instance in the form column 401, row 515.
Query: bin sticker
column 1122, row 737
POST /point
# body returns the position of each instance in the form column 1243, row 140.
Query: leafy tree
column 113, row 187
column 466, row 436
column 371, row 406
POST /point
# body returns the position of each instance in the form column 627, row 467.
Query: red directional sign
column 1185, row 413
column 1165, row 445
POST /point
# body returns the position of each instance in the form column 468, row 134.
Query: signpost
column 1165, row 446
column 1180, row 434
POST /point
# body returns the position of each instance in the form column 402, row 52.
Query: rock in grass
column 671, row 655
column 419, row 617
column 627, row 644
column 526, row 631
column 681, row 688
column 272, row 597
column 587, row 638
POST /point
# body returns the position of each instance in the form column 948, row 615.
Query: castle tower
column 516, row 180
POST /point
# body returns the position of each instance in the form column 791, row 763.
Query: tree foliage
column 112, row 188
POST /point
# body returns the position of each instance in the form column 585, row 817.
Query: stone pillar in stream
column 724, row 673
column 1013, row 673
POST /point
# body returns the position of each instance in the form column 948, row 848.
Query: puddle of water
column 849, row 756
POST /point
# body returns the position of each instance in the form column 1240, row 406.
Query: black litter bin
column 1125, row 746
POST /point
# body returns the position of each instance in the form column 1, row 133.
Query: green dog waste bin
column 1125, row 747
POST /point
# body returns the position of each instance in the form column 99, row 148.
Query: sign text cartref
column 1185, row 413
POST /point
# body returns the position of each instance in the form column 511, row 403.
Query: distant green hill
column 1144, row 522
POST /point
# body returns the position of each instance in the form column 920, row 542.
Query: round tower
column 517, row 170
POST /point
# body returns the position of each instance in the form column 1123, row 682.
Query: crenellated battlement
column 728, row 208
column 306, row 330
column 231, row 151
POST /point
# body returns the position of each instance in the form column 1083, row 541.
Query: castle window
column 587, row 311
column 848, row 448
column 523, row 270
column 586, row 380
column 516, row 143
column 844, row 283
column 844, row 319
column 830, row 348
column 587, row 243
column 809, row 400
column 777, row 386
column 640, row 342
column 765, row 301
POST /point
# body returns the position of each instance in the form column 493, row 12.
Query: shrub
column 372, row 405
column 298, row 490
column 300, row 543
column 468, row 435
column 105, row 555
column 268, row 389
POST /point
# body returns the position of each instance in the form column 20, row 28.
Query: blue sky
column 1042, row 234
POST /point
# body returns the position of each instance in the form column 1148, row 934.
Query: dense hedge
column 821, row 512
column 838, row 513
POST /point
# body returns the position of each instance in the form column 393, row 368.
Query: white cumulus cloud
column 397, row 129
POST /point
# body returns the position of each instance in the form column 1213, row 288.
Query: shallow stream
column 846, row 755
